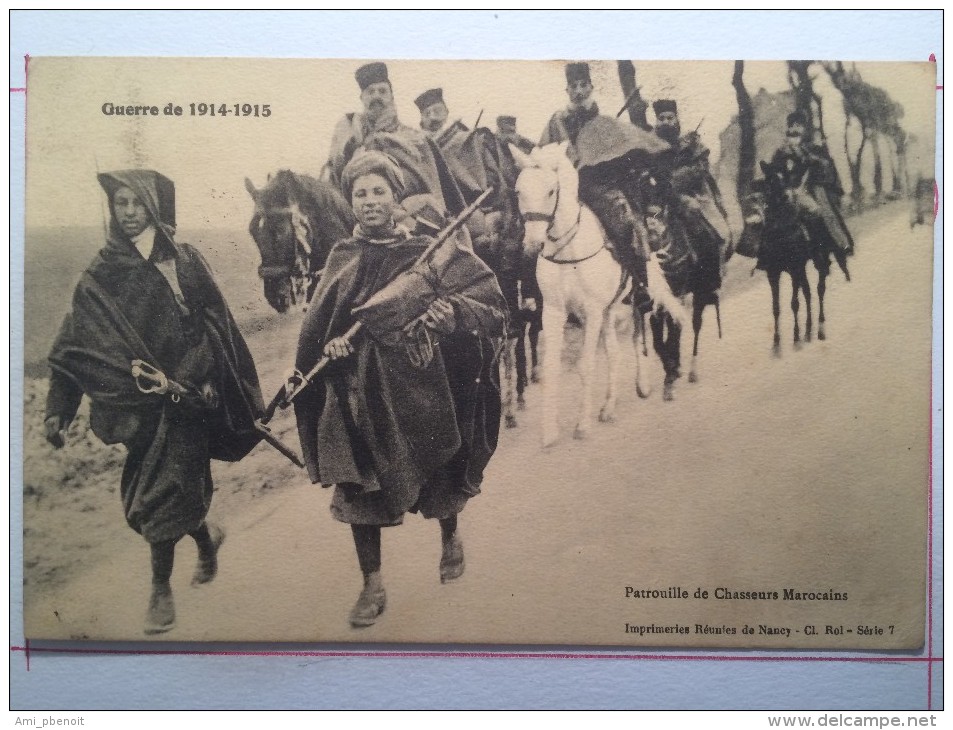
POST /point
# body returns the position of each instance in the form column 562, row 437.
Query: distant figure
column 507, row 134
column 146, row 297
column 808, row 167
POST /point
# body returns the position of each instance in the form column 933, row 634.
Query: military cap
column 578, row 72
column 797, row 117
column 429, row 98
column 371, row 73
column 664, row 105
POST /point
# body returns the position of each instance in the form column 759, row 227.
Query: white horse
column 577, row 274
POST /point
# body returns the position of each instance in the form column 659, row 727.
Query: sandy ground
column 807, row 469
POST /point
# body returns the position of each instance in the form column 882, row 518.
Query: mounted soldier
column 507, row 134
column 808, row 166
column 565, row 125
column 683, row 174
column 478, row 163
column 378, row 128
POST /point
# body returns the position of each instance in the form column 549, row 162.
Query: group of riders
column 653, row 192
column 392, row 433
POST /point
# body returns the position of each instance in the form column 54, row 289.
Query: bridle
column 565, row 238
column 299, row 270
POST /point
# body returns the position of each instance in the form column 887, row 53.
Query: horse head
column 296, row 220
column 546, row 178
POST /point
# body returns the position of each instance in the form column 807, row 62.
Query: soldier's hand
column 440, row 317
column 338, row 347
column 56, row 431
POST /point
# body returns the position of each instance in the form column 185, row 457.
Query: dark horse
column 297, row 220
column 685, row 255
column 794, row 233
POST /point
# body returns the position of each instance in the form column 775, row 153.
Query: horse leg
column 808, row 323
column 698, row 309
column 519, row 346
column 534, row 330
column 509, row 358
column 657, row 322
column 821, row 289
column 554, row 319
column 642, row 389
column 613, row 351
column 774, row 279
column 796, row 306
column 587, row 368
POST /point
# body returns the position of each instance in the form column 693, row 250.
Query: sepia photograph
column 579, row 352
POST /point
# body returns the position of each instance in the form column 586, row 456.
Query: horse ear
column 522, row 159
column 250, row 187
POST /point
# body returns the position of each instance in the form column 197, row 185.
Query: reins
column 569, row 236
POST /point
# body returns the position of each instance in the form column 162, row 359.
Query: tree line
column 868, row 109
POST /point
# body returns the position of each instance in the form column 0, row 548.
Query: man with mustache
column 378, row 128
column 566, row 124
column 684, row 176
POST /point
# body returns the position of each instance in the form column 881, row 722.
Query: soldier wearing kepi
column 683, row 174
column 566, row 124
column 805, row 163
column 149, row 299
column 433, row 111
column 479, row 162
column 378, row 128
column 507, row 134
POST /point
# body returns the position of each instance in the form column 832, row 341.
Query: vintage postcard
column 577, row 352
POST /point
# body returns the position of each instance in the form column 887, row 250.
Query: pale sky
column 69, row 138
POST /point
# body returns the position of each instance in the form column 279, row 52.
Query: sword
column 149, row 379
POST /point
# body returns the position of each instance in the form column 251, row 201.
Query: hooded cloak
column 124, row 308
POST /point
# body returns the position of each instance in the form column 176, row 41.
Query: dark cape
column 395, row 436
column 793, row 233
column 123, row 309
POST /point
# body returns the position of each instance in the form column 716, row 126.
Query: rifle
column 149, row 379
column 298, row 381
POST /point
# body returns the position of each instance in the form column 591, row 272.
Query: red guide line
column 480, row 655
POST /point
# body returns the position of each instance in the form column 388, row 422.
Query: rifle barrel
column 283, row 399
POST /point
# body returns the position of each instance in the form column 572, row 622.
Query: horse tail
column 661, row 293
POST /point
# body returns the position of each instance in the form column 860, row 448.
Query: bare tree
column 635, row 104
column 846, row 83
column 746, row 150
column 806, row 100
column 878, row 116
